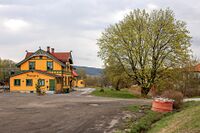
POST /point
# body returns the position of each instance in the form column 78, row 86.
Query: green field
column 107, row 92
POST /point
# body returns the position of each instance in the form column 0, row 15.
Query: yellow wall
column 66, row 82
column 80, row 83
column 40, row 64
column 29, row 75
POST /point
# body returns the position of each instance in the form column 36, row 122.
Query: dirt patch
column 39, row 105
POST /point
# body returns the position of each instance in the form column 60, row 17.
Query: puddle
column 94, row 104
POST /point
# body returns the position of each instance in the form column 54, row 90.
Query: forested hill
column 90, row 70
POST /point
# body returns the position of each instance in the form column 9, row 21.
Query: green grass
column 133, row 108
column 123, row 93
column 146, row 121
column 185, row 121
column 143, row 123
column 196, row 97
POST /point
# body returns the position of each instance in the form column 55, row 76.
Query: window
column 41, row 82
column 29, row 82
column 49, row 65
column 32, row 65
column 17, row 82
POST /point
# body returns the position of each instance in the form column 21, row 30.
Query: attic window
column 49, row 65
column 40, row 57
column 31, row 65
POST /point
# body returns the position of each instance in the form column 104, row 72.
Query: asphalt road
column 76, row 112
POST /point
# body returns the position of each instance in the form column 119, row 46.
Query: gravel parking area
column 76, row 112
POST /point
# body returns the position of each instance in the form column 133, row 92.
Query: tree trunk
column 145, row 91
column 117, row 85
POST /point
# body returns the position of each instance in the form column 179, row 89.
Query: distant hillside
column 91, row 70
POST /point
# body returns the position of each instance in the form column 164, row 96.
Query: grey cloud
column 77, row 24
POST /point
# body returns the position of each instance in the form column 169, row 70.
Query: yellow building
column 51, row 70
column 80, row 83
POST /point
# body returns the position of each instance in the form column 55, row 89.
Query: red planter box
column 162, row 106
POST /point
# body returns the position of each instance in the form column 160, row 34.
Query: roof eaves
column 42, row 53
column 45, row 73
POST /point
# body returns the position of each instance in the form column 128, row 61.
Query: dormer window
column 49, row 65
column 31, row 65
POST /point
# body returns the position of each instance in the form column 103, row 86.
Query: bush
column 39, row 91
column 175, row 95
column 192, row 92
column 58, row 91
column 65, row 90
column 101, row 90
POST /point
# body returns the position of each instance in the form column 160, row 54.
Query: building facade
column 52, row 71
column 80, row 83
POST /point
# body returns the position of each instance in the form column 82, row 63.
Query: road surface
column 76, row 112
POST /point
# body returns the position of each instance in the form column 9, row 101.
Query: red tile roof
column 197, row 68
column 62, row 56
column 28, row 54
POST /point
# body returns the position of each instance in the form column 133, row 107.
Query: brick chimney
column 48, row 49
column 52, row 50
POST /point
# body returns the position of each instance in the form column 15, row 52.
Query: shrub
column 101, row 90
column 39, row 91
column 192, row 92
column 58, row 91
column 175, row 95
column 65, row 90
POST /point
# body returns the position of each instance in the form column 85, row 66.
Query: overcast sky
column 77, row 24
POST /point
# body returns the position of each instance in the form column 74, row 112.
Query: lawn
column 185, row 121
column 107, row 92
column 145, row 118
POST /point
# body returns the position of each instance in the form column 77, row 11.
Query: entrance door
column 52, row 85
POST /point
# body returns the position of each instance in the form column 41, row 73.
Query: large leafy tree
column 146, row 45
column 116, row 76
column 6, row 66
